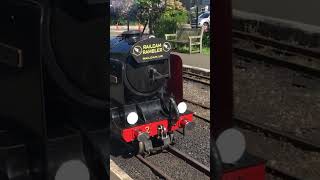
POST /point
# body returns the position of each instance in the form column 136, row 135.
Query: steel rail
column 277, row 44
column 191, row 161
column 277, row 134
column 197, row 75
column 196, row 80
column 197, row 104
column 154, row 168
column 202, row 118
column 275, row 60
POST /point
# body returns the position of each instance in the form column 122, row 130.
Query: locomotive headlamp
column 73, row 169
column 231, row 145
column 182, row 107
column 132, row 118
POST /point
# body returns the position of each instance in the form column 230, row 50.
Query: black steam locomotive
column 146, row 91
column 53, row 100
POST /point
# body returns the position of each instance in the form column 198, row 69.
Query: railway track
column 243, row 52
column 295, row 49
column 294, row 57
column 280, row 135
column 277, row 134
column 197, row 78
column 179, row 154
column 272, row 133
column 197, row 75
column 200, row 105
column 299, row 59
column 197, row 104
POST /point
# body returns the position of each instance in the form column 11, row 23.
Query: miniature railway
column 280, row 135
column 197, row 104
column 242, row 52
column 197, row 78
column 271, row 133
column 295, row 49
column 282, row 53
column 189, row 160
column 277, row 60
column 197, row 75
column 252, row 126
column 277, row 134
column 200, row 105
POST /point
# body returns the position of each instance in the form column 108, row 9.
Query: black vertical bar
column 221, row 67
column 128, row 22
column 197, row 14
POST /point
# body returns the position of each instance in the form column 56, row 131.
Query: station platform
column 116, row 173
column 195, row 60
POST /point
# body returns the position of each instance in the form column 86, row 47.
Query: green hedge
column 206, row 39
column 169, row 22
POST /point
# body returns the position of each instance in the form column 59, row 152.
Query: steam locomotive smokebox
column 139, row 66
column 52, row 69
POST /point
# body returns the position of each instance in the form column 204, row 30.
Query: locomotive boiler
column 146, row 91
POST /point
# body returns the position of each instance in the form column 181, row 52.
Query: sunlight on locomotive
column 182, row 107
column 74, row 169
column 132, row 118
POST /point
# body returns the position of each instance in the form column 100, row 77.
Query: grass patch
column 206, row 50
column 185, row 49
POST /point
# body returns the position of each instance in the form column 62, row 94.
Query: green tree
column 155, row 12
column 149, row 11
column 173, row 17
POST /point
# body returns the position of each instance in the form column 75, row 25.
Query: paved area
column 196, row 60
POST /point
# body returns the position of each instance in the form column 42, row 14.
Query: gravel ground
column 197, row 143
column 284, row 156
column 196, row 92
column 199, row 110
column 285, row 100
column 278, row 97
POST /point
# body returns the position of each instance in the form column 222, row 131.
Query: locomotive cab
column 145, row 91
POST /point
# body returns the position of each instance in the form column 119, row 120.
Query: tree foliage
column 160, row 14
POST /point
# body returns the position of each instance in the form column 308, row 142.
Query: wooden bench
column 189, row 36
